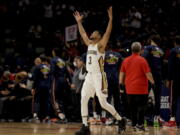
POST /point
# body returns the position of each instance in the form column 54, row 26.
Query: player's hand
column 122, row 88
column 78, row 16
column 110, row 12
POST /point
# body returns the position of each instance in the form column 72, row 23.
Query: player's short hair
column 136, row 47
column 156, row 38
column 79, row 58
column 100, row 32
column 177, row 39
column 20, row 76
column 45, row 59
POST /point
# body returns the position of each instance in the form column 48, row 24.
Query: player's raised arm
column 107, row 34
column 82, row 31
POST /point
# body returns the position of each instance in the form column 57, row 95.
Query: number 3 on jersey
column 90, row 60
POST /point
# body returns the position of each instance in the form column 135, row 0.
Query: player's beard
column 94, row 40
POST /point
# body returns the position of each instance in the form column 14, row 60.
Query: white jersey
column 94, row 59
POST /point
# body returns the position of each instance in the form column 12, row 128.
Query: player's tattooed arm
column 82, row 31
column 107, row 34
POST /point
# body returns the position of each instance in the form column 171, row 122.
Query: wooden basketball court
column 70, row 129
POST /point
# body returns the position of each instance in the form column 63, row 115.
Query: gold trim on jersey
column 101, row 64
column 104, row 78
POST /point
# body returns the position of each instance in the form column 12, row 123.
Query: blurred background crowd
column 31, row 29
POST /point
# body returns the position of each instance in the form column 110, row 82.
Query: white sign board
column 71, row 33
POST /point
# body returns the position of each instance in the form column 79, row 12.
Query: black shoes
column 83, row 131
column 122, row 125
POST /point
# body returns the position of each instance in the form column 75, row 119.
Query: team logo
column 157, row 52
column 111, row 59
column 60, row 63
column 45, row 71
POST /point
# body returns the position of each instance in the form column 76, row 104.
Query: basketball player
column 95, row 81
column 154, row 56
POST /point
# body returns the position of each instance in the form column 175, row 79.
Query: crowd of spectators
column 28, row 27
column 32, row 28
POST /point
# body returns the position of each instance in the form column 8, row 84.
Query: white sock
column 84, row 120
column 103, row 114
column 35, row 115
column 95, row 115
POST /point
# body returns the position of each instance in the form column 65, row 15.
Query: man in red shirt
column 134, row 74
